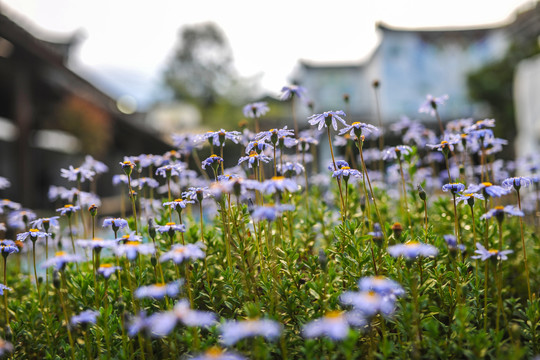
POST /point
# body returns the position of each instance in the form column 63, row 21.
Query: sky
column 126, row 44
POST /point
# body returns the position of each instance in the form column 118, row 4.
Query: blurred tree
column 492, row 84
column 201, row 72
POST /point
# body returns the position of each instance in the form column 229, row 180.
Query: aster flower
column 381, row 285
column 516, row 182
column 132, row 236
column 159, row 291
column 484, row 254
column 488, row 189
column 211, row 160
column 84, row 318
column 132, row 248
column 396, row 152
column 215, row 353
column 33, row 234
column 256, row 109
column 482, row 124
column 163, row 323
column 96, row 243
column 119, row 179
column 273, row 135
column 334, row 324
column 358, row 129
column 115, row 223
column 454, row 188
column 290, row 91
column 45, row 223
column 68, row 209
column 180, row 253
column 369, row 303
column 278, row 184
column 430, row 105
column 60, row 260
column 469, row 198
column 258, row 146
column 217, row 138
column 499, row 211
column 254, row 158
column 143, row 182
column 106, row 270
column 8, row 204
column 94, row 165
column 451, row 241
column 270, row 212
column 444, row 146
column 290, row 169
column 171, row 227
column 178, row 204
column 4, row 288
column 8, row 247
column 169, row 170
column 19, row 218
column 77, row 174
column 345, row 172
column 412, row 250
column 196, row 193
column 327, row 118
column 234, row 331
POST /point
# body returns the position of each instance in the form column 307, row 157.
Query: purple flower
column 454, row 188
column 60, row 260
column 445, row 146
column 254, row 158
column 516, row 182
column 499, row 211
column 396, row 152
column 215, row 353
column 178, row 204
column 256, row 109
column 8, row 247
column 278, row 184
column 430, row 105
column 85, row 317
column 234, row 331
column 196, row 193
column 106, row 270
column 34, row 235
column 451, row 241
column 273, row 135
column 180, row 253
column 369, row 303
column 290, row 91
column 270, row 212
column 96, row 244
column 167, row 171
column 258, row 146
column 327, row 118
column 159, row 291
column 412, row 250
column 218, row 138
column 334, row 324
column 45, row 223
column 163, row 323
column 68, row 209
column 4, row 287
column 484, row 254
column 77, row 174
column 4, row 183
column 488, row 189
column 381, row 285
column 345, row 172
column 132, row 248
column 469, row 198
column 358, row 129
column 171, row 227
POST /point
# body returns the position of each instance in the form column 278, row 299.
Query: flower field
column 422, row 249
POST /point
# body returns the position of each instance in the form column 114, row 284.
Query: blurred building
column 50, row 117
column 411, row 63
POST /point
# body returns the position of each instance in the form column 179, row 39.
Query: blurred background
column 115, row 78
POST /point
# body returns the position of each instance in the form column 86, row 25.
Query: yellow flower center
column 60, row 253
column 68, row 206
column 133, row 243
column 213, row 156
column 356, row 123
column 493, row 251
column 278, row 178
column 412, row 243
column 34, row 230
column 333, row 314
column 444, row 142
column 252, row 153
column 170, row 224
column 178, row 200
column 180, row 250
column 214, row 352
column 346, row 168
column 487, row 184
column 499, row 207
column 106, row 265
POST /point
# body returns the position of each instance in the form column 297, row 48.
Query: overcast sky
column 126, row 43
